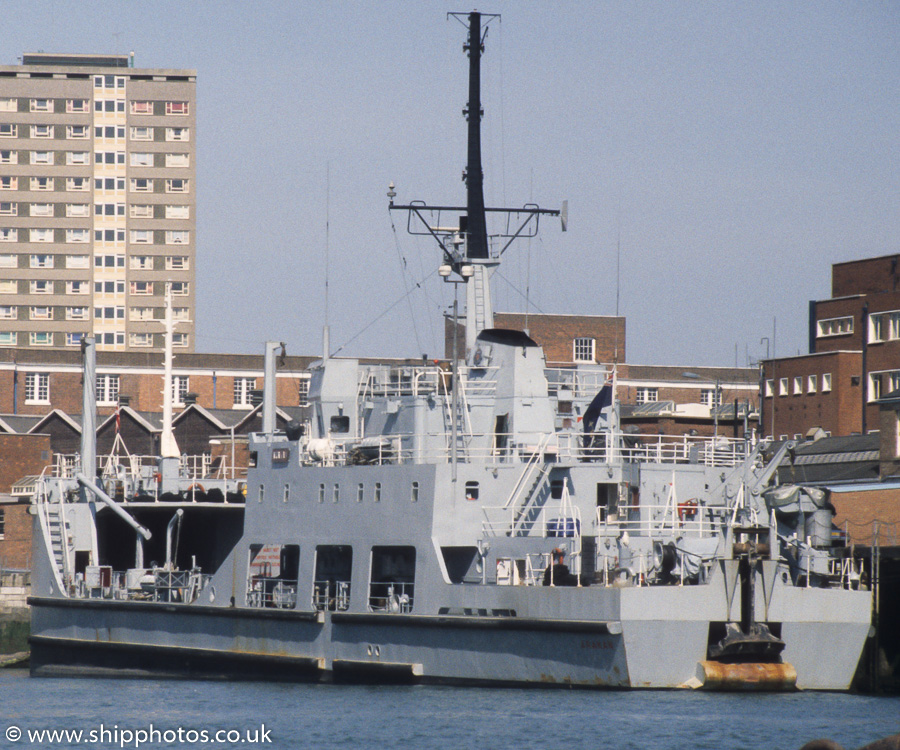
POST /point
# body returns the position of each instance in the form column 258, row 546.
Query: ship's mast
column 467, row 256
column 476, row 225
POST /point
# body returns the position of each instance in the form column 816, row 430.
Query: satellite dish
column 564, row 215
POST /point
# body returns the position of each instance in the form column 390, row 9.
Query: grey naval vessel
column 480, row 521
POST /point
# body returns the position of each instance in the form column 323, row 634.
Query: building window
column 178, row 212
column 141, row 262
column 41, row 286
column 78, row 210
column 77, row 105
column 142, row 288
column 42, row 157
column 242, row 388
column 176, row 186
column 42, row 209
column 107, row 389
column 7, row 208
column 109, row 235
column 177, row 108
column 9, row 183
column 9, row 261
column 77, row 287
column 109, row 261
column 8, row 130
column 41, row 105
column 41, row 235
column 812, row 383
column 8, row 234
column 42, row 184
column 110, row 312
column 142, row 236
column 109, row 209
column 180, row 313
column 77, row 132
column 180, row 384
column 177, row 237
column 142, row 134
column 141, row 340
column 646, row 395
column 41, row 131
column 140, row 313
column 584, row 349
column 77, row 184
column 76, row 313
column 835, row 327
column 176, row 263
column 141, row 160
column 782, row 386
column 179, row 339
column 798, row 385
column 8, row 338
column 303, row 392
column 40, row 338
column 884, row 326
column 178, row 134
column 111, row 157
column 37, row 388
column 141, row 185
column 43, row 312
column 9, row 312
column 78, row 158
column 178, row 160
column 9, row 157
column 78, row 235
column 8, row 286
column 9, row 105
column 74, row 339
column 711, row 397
column 141, row 108
column 180, row 288
column 140, row 211
column 826, row 382
column 110, row 183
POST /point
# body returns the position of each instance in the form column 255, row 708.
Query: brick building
column 854, row 359
column 566, row 339
column 37, row 381
column 20, row 456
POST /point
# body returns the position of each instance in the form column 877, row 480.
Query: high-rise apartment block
column 97, row 202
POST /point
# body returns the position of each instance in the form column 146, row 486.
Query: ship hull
column 142, row 639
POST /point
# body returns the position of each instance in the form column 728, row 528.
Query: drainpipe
column 865, row 352
column 15, row 389
column 214, row 389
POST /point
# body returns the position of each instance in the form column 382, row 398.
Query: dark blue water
column 324, row 716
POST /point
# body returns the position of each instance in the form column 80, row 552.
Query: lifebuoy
column 687, row 510
column 196, row 488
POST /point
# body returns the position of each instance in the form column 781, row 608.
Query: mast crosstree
column 466, row 244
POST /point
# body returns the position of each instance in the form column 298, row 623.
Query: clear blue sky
column 732, row 150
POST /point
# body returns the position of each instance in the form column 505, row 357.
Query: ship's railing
column 583, row 382
column 391, row 596
column 194, row 467
column 684, row 518
column 599, row 447
column 331, row 595
column 422, row 381
column 156, row 585
column 280, row 593
column 556, row 519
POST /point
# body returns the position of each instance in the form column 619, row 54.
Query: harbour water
column 114, row 713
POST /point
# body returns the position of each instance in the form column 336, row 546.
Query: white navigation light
column 466, row 271
column 444, row 270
